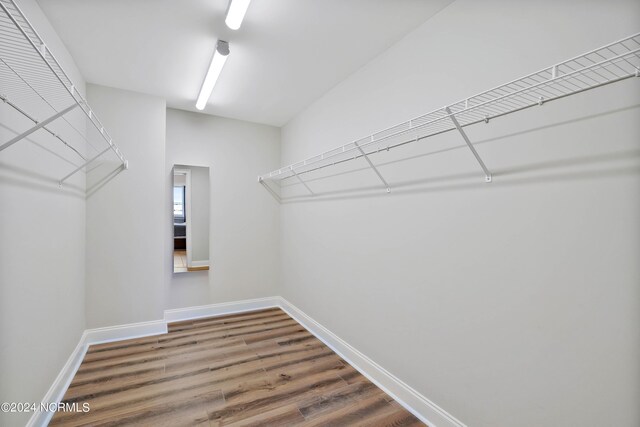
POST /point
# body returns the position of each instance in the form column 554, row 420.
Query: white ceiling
column 286, row 54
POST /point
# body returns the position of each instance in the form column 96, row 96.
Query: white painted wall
column 514, row 303
column 125, row 247
column 511, row 303
column 244, row 238
column 41, row 286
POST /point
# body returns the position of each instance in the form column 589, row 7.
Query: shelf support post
column 386, row 185
column 36, row 127
column 487, row 174
column 302, row 182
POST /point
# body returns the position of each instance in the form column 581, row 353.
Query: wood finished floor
column 180, row 261
column 250, row 369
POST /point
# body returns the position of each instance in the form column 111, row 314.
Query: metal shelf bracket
column 302, row 182
column 487, row 174
column 36, row 127
column 87, row 163
column 386, row 185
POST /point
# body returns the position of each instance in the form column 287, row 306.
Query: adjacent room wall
column 125, row 215
column 510, row 303
column 244, row 219
column 42, row 242
column 200, row 215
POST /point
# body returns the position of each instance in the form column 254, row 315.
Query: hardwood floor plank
column 291, row 340
column 228, row 319
column 117, row 410
column 250, row 399
column 287, row 415
column 110, row 374
column 156, row 354
column 200, row 330
column 344, row 396
column 114, row 345
column 122, row 351
column 361, row 411
column 192, row 412
column 79, row 389
column 397, row 418
column 224, row 332
column 253, row 333
column 118, row 403
column 245, row 369
column 277, row 333
column 352, row 376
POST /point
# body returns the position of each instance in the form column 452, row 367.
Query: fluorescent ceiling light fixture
column 236, row 12
column 217, row 62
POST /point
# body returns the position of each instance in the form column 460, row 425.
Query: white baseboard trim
column 414, row 402
column 124, row 332
column 60, row 385
column 427, row 411
column 91, row 336
column 211, row 310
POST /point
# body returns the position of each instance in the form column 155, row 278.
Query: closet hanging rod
column 27, row 53
column 608, row 64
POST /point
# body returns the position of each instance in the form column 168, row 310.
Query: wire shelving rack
column 34, row 84
column 605, row 65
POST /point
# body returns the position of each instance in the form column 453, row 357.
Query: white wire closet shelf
column 608, row 64
column 33, row 83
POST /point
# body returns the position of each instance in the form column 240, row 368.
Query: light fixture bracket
column 222, row 47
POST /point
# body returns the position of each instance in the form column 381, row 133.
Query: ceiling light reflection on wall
column 217, row 63
column 236, row 12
